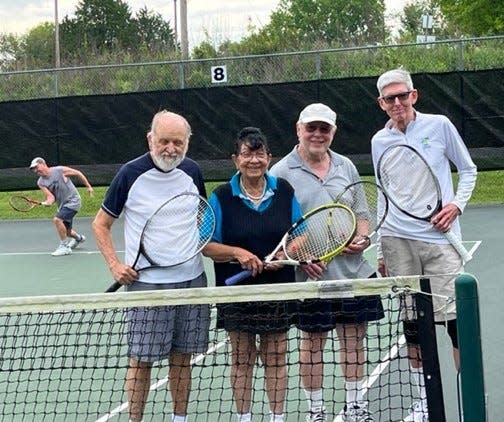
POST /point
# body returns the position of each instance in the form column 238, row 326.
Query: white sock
column 244, row 417
column 418, row 378
column 178, row 418
column 276, row 418
column 354, row 391
column 314, row 398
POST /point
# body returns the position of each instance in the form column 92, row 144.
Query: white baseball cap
column 318, row 112
column 36, row 161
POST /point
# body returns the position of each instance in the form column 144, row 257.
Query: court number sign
column 219, row 74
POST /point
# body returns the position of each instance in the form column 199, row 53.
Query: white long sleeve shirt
column 439, row 142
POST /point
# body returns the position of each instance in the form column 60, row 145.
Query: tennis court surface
column 71, row 364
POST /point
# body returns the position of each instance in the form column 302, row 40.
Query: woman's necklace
column 252, row 197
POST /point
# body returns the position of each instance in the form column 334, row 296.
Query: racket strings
column 21, row 203
column 321, row 234
column 362, row 199
column 409, row 182
column 178, row 230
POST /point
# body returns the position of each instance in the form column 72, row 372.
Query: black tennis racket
column 23, row 203
column 413, row 188
column 177, row 231
column 319, row 235
column 369, row 204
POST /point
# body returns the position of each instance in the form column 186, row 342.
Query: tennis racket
column 412, row 187
column 177, row 231
column 369, row 204
column 22, row 203
column 319, row 235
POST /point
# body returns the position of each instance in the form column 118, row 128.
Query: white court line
column 475, row 247
column 163, row 381
column 74, row 252
column 394, row 351
column 367, row 384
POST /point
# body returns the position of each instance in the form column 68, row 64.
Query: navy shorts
column 320, row 315
column 67, row 215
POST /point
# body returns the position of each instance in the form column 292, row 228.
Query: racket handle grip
column 113, row 287
column 238, row 277
column 459, row 247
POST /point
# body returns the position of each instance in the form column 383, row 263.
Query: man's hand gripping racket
column 369, row 204
column 177, row 231
column 319, row 235
column 413, row 188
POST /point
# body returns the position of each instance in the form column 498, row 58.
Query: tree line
column 107, row 32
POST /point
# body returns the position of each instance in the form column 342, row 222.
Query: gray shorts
column 155, row 332
column 437, row 262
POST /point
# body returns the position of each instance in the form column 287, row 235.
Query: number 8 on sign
column 219, row 74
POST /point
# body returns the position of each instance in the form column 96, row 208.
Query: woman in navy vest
column 253, row 211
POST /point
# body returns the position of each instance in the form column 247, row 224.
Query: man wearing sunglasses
column 318, row 176
column 407, row 246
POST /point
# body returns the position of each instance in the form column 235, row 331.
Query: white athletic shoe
column 418, row 412
column 62, row 249
column 355, row 412
column 73, row 243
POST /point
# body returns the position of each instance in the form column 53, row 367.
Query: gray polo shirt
column 311, row 191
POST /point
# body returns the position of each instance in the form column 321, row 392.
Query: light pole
column 175, row 20
column 183, row 29
column 57, row 62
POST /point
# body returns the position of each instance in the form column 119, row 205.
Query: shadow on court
column 28, row 269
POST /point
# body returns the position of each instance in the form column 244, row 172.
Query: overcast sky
column 220, row 19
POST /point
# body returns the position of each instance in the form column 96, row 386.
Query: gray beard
column 166, row 164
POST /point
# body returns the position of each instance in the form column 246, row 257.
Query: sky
column 220, row 19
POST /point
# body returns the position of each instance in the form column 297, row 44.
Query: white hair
column 163, row 113
column 394, row 76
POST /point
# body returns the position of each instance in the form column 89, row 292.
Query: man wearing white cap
column 57, row 186
column 318, row 176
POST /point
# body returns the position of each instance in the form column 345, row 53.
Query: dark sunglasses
column 322, row 127
column 402, row 96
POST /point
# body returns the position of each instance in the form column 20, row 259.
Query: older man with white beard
column 138, row 189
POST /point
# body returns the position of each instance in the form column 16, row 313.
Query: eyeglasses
column 322, row 127
column 260, row 155
column 402, row 96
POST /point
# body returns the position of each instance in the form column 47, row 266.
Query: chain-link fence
column 439, row 56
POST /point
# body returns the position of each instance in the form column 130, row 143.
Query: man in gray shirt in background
column 57, row 186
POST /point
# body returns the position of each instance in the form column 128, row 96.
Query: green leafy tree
column 204, row 50
column 475, row 17
column 99, row 26
column 312, row 24
column 332, row 22
column 39, row 46
column 153, row 32
column 10, row 48
column 105, row 31
column 411, row 21
column 33, row 50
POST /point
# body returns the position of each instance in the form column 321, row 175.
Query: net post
column 471, row 358
column 429, row 348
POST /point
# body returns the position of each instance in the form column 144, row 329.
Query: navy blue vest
column 258, row 232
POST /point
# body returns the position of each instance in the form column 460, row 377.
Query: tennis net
column 65, row 357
